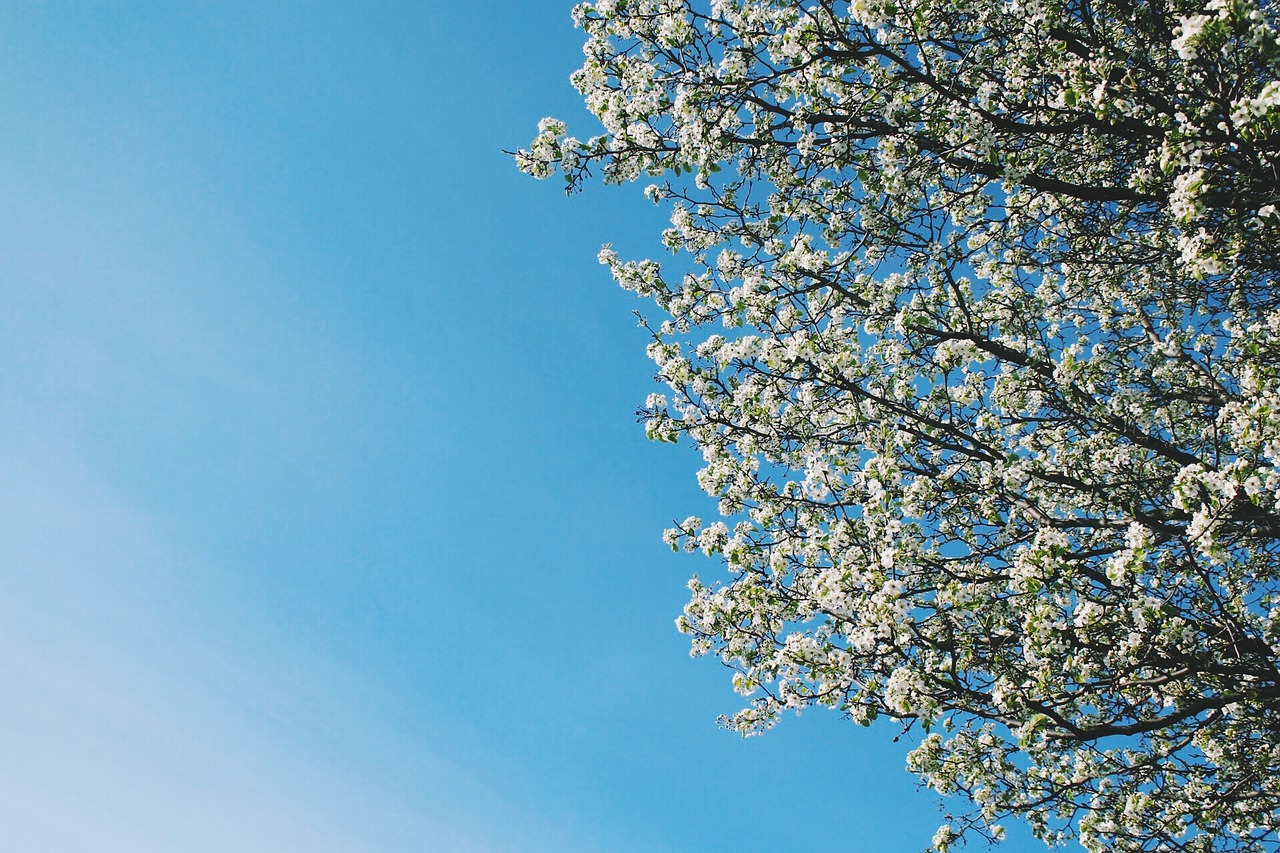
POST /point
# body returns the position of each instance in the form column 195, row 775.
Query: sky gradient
column 326, row 524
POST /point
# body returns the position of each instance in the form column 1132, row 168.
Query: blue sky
column 326, row 523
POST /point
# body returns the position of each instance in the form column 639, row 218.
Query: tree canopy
column 975, row 320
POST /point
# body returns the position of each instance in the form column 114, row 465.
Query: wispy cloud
column 124, row 730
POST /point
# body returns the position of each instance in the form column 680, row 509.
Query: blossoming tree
column 977, row 327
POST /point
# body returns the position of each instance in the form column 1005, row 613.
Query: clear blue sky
column 325, row 522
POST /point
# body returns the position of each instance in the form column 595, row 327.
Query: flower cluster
column 975, row 323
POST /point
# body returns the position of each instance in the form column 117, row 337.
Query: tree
column 993, row 417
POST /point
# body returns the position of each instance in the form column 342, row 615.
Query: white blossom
column 972, row 318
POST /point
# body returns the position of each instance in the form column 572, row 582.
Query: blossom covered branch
column 977, row 328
